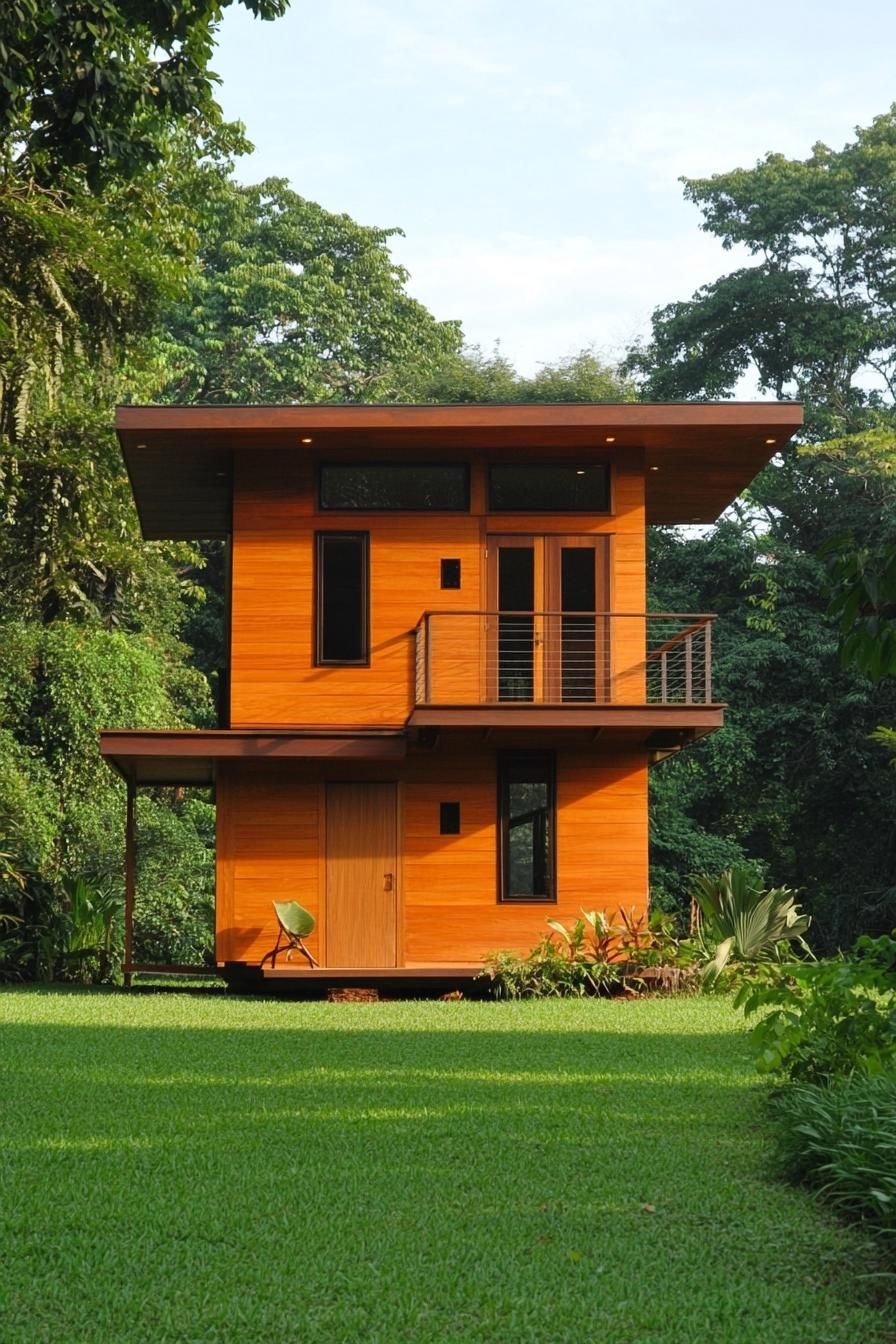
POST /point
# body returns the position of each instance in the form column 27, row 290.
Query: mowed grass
column 197, row 1168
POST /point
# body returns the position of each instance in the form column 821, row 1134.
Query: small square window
column 449, row 818
column 450, row 573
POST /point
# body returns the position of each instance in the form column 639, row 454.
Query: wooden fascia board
column 647, row 718
column 672, row 416
column 174, row 755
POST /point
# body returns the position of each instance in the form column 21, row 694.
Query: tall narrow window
column 527, row 825
column 343, row 615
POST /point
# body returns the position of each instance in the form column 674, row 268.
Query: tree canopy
column 814, row 315
column 96, row 86
column 287, row 302
column 802, row 567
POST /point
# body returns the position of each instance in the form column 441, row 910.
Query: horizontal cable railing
column 563, row 657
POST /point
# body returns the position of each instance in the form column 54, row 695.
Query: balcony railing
column 563, row 657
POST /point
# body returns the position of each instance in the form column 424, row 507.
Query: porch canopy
column 190, row 757
column 699, row 455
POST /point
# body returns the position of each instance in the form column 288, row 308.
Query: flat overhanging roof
column 191, row 757
column 180, row 458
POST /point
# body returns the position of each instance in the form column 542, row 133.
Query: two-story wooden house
column 444, row 687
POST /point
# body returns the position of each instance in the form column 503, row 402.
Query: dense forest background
column 134, row 268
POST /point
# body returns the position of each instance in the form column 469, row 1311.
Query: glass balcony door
column 545, row 642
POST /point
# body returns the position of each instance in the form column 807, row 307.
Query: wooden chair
column 295, row 924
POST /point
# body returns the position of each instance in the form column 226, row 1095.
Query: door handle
column 387, row 881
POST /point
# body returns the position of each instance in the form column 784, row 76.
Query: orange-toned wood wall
column 271, row 846
column 273, row 678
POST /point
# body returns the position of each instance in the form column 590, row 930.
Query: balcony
column 644, row 671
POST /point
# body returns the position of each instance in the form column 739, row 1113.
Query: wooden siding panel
column 270, row 819
column 273, row 678
column 270, row 837
column 450, row 883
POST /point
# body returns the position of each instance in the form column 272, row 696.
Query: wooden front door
column 362, row 875
column 547, row 645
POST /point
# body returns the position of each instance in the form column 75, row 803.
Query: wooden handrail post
column 130, row 870
column 427, row 657
column 707, row 662
column 689, row 669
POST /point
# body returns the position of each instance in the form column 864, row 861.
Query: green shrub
column 174, row 911
column 827, row 1019
column 596, row 956
column 744, row 923
column 548, row 972
column 841, row 1139
column 89, row 932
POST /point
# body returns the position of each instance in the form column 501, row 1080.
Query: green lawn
column 202, row 1169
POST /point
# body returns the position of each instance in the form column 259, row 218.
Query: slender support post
column 689, row 669
column 664, row 679
column 130, row 869
column 707, row 662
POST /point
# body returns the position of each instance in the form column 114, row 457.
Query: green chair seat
column 295, row 923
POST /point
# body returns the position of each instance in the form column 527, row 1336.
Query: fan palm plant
column 744, row 922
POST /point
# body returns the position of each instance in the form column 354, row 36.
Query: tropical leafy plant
column 88, row 929
column 596, row 955
column 842, row 1140
column 653, row 956
column 549, row 971
column 743, row 922
column 11, row 947
column 828, row 1019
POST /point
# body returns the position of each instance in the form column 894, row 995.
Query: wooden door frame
column 555, row 544
column 494, row 542
column 547, row 592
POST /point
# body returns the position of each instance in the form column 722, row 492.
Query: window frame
column 320, row 538
column 506, row 762
column 575, row 464
column 392, row 462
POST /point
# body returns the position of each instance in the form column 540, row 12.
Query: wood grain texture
column 362, row 874
column 271, row 831
column 267, row 816
column 274, row 680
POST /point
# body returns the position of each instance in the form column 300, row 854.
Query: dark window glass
column 394, row 485
column 577, row 633
column 449, row 818
column 527, row 824
column 342, row 610
column 450, row 573
column 549, row 489
column 516, row 634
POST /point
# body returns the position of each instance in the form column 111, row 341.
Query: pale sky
column 530, row 152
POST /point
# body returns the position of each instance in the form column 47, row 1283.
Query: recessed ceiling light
column 654, row 468
column 611, row 438
column 771, row 440
column 580, row 472
column 306, row 440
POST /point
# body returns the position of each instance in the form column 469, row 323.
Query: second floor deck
column 563, row 658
